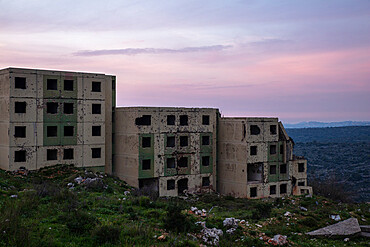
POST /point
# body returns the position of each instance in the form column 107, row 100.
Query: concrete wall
column 4, row 119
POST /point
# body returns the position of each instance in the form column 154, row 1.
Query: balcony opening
column 300, row 167
column 273, row 190
column 68, row 154
column 170, row 162
column 273, row 130
column 283, row 188
column 144, row 120
column 281, row 149
column 96, row 153
column 272, row 169
column 255, row 172
column 20, row 156
column 68, row 130
column 170, row 141
column 182, row 162
column 255, row 130
column 52, row 131
column 51, row 154
column 205, row 140
column 52, row 108
column 68, row 108
column 20, row 131
column 145, row 164
column 301, row 184
column 68, row 85
column 183, row 141
column 52, row 84
column 272, row 149
column 96, row 86
column 184, row 120
column 205, row 119
column 205, row 181
column 96, row 108
column 20, row 82
column 96, row 130
column 20, row 107
column 283, row 169
column 170, row 184
column 182, row 186
column 205, row 160
column 253, row 150
column 253, row 192
column 171, row 119
column 146, row 142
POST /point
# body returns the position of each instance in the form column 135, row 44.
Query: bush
column 261, row 210
column 309, row 221
column 177, row 221
column 79, row 221
column 106, row 234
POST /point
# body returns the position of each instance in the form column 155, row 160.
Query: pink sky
column 299, row 60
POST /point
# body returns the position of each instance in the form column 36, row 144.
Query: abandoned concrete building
column 58, row 117
column 166, row 149
column 256, row 159
column 55, row 117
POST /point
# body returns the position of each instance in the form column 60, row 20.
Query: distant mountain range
column 313, row 124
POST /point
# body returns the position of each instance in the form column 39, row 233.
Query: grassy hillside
column 65, row 206
column 341, row 152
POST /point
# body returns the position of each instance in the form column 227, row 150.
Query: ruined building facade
column 58, row 117
column 55, row 117
column 166, row 149
column 256, row 159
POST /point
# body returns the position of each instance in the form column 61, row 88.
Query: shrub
column 177, row 221
column 79, row 221
column 261, row 210
column 106, row 234
column 309, row 221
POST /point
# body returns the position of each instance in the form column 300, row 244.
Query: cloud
column 136, row 51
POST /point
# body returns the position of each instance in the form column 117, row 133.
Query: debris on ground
column 335, row 217
column 278, row 240
column 211, row 235
column 231, row 222
column 344, row 228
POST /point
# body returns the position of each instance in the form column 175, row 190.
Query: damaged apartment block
column 256, row 159
column 55, row 117
column 59, row 117
column 170, row 150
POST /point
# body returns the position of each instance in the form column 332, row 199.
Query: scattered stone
column 346, row 240
column 193, row 209
column 162, row 237
column 335, row 217
column 126, row 193
column 13, row 196
column 303, row 209
column 231, row 231
column 278, row 240
column 70, row 184
column 242, row 222
column 211, row 236
column 231, row 222
column 78, row 180
column 287, row 214
column 201, row 223
column 258, row 225
column 345, row 228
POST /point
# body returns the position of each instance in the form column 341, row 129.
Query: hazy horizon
column 296, row 60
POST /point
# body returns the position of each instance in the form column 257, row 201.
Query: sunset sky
column 296, row 60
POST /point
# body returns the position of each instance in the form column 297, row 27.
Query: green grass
column 47, row 213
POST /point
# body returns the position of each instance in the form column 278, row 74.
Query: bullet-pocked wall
column 256, row 159
column 167, row 149
column 56, row 117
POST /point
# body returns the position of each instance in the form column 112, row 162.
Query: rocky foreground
column 66, row 206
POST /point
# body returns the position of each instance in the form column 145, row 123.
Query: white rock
column 230, row 231
column 335, row 217
column 126, row 192
column 230, row 222
column 287, row 214
column 346, row 240
column 193, row 209
column 303, row 209
column 13, row 196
